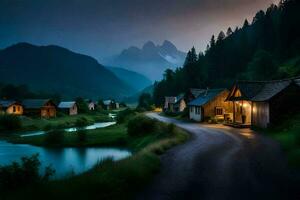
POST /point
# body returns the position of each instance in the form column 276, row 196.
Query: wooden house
column 68, row 107
column 11, row 107
column 263, row 103
column 210, row 104
column 175, row 104
column 39, row 107
column 110, row 105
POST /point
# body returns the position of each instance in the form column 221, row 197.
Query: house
column 68, row 107
column 39, row 107
column 263, row 103
column 210, row 104
column 11, row 107
column 175, row 104
column 169, row 102
column 91, row 104
column 110, row 105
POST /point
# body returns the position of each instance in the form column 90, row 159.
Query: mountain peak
column 167, row 45
column 149, row 45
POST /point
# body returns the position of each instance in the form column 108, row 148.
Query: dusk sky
column 102, row 28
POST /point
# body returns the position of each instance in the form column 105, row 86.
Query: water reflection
column 64, row 160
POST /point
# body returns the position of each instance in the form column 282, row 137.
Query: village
column 247, row 104
column 46, row 108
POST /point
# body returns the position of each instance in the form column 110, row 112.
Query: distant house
column 263, row 103
column 11, row 107
column 91, row 104
column 175, row 104
column 210, row 104
column 68, row 107
column 110, row 105
column 39, row 107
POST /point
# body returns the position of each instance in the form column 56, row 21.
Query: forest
column 267, row 48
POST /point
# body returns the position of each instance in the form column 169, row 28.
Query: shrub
column 81, row 122
column 24, row 173
column 81, row 135
column 125, row 115
column 170, row 128
column 54, row 137
column 140, row 125
column 10, row 122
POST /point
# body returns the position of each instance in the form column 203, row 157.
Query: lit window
column 219, row 111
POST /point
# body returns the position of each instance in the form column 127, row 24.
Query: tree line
column 265, row 49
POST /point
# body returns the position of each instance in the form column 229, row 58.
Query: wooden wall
column 219, row 101
column 260, row 114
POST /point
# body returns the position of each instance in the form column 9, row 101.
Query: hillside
column 151, row 60
column 54, row 69
column 135, row 97
column 266, row 48
column 133, row 79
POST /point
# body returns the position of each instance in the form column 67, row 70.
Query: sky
column 102, row 28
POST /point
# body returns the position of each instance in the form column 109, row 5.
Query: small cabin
column 175, row 104
column 11, row 107
column 91, row 104
column 263, row 103
column 68, row 107
column 210, row 104
column 44, row 108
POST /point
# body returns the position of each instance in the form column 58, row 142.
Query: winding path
column 219, row 163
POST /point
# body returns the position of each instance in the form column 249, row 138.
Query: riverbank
column 113, row 180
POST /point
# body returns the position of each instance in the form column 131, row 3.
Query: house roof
column 107, row 102
column 178, row 99
column 261, row 90
column 66, row 104
column 34, row 103
column 7, row 103
column 206, row 97
column 197, row 92
column 170, row 99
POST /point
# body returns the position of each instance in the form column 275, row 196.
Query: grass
column 112, row 180
column 63, row 121
column 288, row 135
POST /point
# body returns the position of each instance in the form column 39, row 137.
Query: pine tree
column 229, row 32
column 212, row 41
column 221, row 37
column 246, row 23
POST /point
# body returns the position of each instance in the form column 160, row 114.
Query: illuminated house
column 68, row 107
column 11, row 107
column 262, row 103
column 209, row 104
column 39, row 107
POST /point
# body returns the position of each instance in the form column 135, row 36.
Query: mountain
column 135, row 97
column 151, row 60
column 59, row 70
column 133, row 79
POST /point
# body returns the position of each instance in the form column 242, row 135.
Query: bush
column 170, row 128
column 140, row 125
column 54, row 137
column 18, row 175
column 10, row 122
column 81, row 135
column 81, row 122
column 124, row 115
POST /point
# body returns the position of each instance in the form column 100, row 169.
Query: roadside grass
column 288, row 135
column 113, row 180
column 62, row 121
